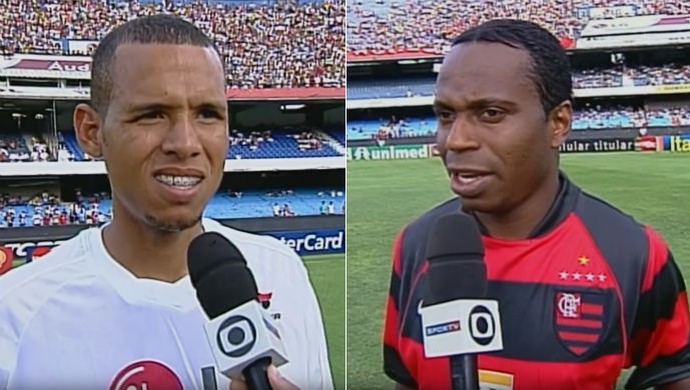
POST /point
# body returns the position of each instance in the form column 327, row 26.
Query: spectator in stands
column 234, row 194
column 308, row 140
column 287, row 211
column 37, row 219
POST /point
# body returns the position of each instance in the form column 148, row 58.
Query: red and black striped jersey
column 589, row 293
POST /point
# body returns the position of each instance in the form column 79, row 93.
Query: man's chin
column 475, row 205
column 172, row 225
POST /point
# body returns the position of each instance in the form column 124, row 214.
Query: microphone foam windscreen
column 219, row 273
column 209, row 250
column 456, row 260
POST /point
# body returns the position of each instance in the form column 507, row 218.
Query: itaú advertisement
column 314, row 242
column 676, row 143
column 671, row 143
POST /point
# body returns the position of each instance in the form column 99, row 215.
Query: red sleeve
column 393, row 364
column 660, row 338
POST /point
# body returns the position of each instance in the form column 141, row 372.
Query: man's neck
column 147, row 252
column 520, row 222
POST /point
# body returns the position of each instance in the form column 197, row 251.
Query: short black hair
column 158, row 28
column 550, row 70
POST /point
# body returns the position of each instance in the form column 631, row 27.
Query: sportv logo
column 315, row 242
column 452, row 326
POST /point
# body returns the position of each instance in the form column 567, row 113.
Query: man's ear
column 560, row 121
column 87, row 126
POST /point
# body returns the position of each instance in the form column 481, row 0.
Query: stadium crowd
column 254, row 139
column 629, row 76
column 589, row 117
column 46, row 209
column 385, row 25
column 612, row 76
column 287, row 44
column 15, row 149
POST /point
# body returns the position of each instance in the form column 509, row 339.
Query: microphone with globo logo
column 243, row 339
column 457, row 320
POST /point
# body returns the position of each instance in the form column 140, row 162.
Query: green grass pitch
column 327, row 274
column 384, row 195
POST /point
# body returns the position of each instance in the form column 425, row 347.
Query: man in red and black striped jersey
column 584, row 290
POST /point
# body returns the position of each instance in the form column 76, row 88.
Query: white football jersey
column 77, row 319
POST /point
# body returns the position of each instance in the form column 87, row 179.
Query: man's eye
column 152, row 115
column 491, row 114
column 209, row 114
column 444, row 115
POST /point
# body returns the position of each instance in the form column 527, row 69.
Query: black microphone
column 458, row 321
column 243, row 341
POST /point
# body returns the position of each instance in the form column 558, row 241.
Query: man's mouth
column 467, row 178
column 181, row 182
column 468, row 182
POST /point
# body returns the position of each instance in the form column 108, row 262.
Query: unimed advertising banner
column 389, row 152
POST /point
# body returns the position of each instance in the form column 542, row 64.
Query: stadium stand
column 282, row 143
column 618, row 76
column 587, row 118
column 46, row 209
column 265, row 44
column 384, row 26
column 21, row 147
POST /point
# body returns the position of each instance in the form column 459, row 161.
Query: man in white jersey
column 113, row 307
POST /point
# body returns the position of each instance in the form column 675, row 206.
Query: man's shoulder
column 25, row 289
column 254, row 246
column 609, row 225
column 63, row 262
column 629, row 246
column 276, row 268
column 605, row 213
